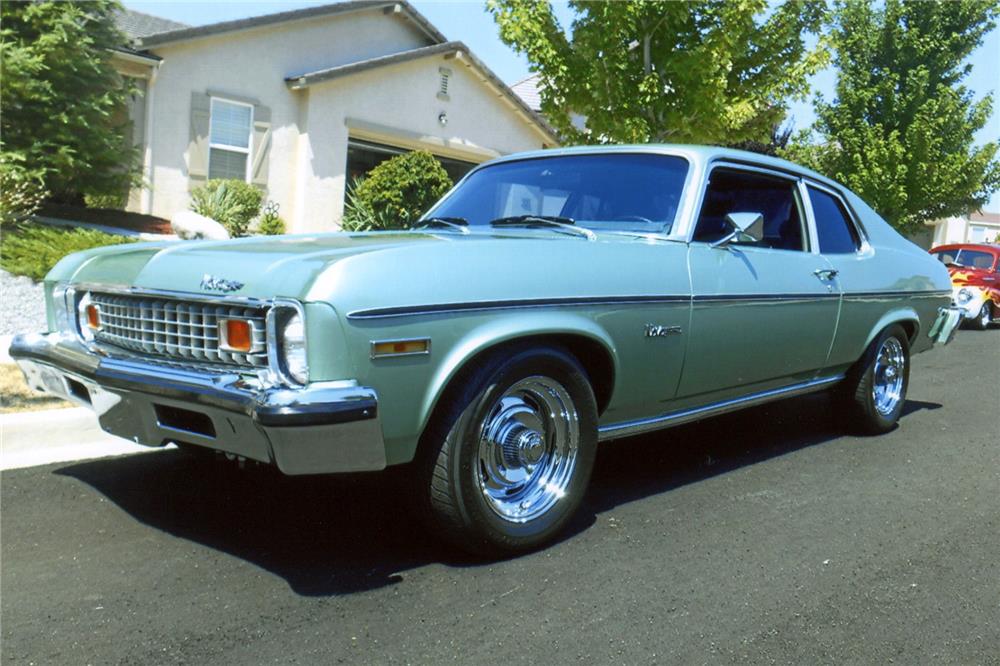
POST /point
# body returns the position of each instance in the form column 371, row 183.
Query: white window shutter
column 261, row 145
column 201, row 111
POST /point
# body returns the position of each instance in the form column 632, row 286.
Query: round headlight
column 293, row 349
column 964, row 296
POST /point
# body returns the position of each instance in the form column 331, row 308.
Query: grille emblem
column 212, row 283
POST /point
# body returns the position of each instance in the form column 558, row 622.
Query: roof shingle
column 137, row 25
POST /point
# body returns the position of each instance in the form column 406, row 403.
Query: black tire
column 982, row 320
column 860, row 408
column 453, row 479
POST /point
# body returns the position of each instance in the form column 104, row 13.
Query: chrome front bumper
column 943, row 330
column 321, row 428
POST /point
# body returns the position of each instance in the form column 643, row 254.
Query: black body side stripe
column 474, row 306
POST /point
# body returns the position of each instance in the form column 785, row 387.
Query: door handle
column 826, row 273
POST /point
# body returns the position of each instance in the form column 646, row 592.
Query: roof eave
column 456, row 48
column 401, row 7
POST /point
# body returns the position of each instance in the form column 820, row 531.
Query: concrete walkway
column 57, row 435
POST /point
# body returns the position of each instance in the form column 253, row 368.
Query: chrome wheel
column 887, row 376
column 984, row 316
column 528, row 447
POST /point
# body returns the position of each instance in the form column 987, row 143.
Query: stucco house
column 977, row 227
column 302, row 101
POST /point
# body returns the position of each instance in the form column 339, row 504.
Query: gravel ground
column 23, row 305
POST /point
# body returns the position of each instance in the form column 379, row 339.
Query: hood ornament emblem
column 212, row 283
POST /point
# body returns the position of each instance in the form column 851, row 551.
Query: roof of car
column 704, row 153
column 989, row 247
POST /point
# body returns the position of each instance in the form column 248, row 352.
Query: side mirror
column 745, row 227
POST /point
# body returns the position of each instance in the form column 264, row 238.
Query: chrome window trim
column 727, row 163
column 852, row 218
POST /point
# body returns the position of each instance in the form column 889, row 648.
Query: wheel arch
column 589, row 343
column 907, row 318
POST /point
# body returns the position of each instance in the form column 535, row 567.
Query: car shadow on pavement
column 340, row 535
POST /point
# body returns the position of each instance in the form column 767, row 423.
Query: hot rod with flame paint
column 975, row 276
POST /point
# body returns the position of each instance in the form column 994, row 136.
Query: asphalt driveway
column 764, row 536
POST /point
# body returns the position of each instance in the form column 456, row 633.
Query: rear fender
column 906, row 316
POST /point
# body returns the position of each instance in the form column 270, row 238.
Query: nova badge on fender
column 656, row 331
column 212, row 283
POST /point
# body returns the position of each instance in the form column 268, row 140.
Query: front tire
column 508, row 455
column 875, row 388
column 983, row 319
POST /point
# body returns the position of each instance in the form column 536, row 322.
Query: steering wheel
column 634, row 218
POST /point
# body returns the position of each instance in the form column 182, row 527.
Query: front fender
column 499, row 330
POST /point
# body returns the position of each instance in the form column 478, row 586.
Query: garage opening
column 363, row 156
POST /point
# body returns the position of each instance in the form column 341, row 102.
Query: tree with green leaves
column 64, row 122
column 901, row 130
column 702, row 71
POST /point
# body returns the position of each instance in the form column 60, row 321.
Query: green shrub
column 231, row 203
column 270, row 223
column 116, row 201
column 33, row 249
column 395, row 193
column 21, row 193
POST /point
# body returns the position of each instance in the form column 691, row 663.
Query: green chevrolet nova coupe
column 551, row 300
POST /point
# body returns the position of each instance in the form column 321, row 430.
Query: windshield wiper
column 459, row 224
column 554, row 221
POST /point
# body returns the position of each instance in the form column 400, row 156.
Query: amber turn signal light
column 236, row 335
column 93, row 318
column 400, row 347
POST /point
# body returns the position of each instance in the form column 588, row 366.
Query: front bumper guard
column 324, row 427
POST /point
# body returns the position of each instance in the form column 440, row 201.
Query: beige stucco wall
column 400, row 105
column 310, row 127
column 252, row 65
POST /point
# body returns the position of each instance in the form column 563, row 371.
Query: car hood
column 323, row 266
column 261, row 266
column 964, row 275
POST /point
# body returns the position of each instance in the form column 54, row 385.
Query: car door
column 869, row 285
column 764, row 313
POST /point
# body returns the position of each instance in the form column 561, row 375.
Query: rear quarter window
column 836, row 232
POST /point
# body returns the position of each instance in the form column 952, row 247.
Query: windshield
column 966, row 258
column 612, row 192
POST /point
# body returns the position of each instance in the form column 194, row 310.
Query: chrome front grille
column 177, row 329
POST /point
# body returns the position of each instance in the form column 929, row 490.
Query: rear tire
column 874, row 390
column 506, row 459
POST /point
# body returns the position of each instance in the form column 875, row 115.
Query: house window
column 229, row 140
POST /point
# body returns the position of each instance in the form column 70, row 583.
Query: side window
column 733, row 191
column 836, row 233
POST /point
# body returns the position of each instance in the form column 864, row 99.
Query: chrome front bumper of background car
column 324, row 427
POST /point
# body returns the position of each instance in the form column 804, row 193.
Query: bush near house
column 270, row 223
column 231, row 203
column 395, row 193
column 21, row 193
column 33, row 249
